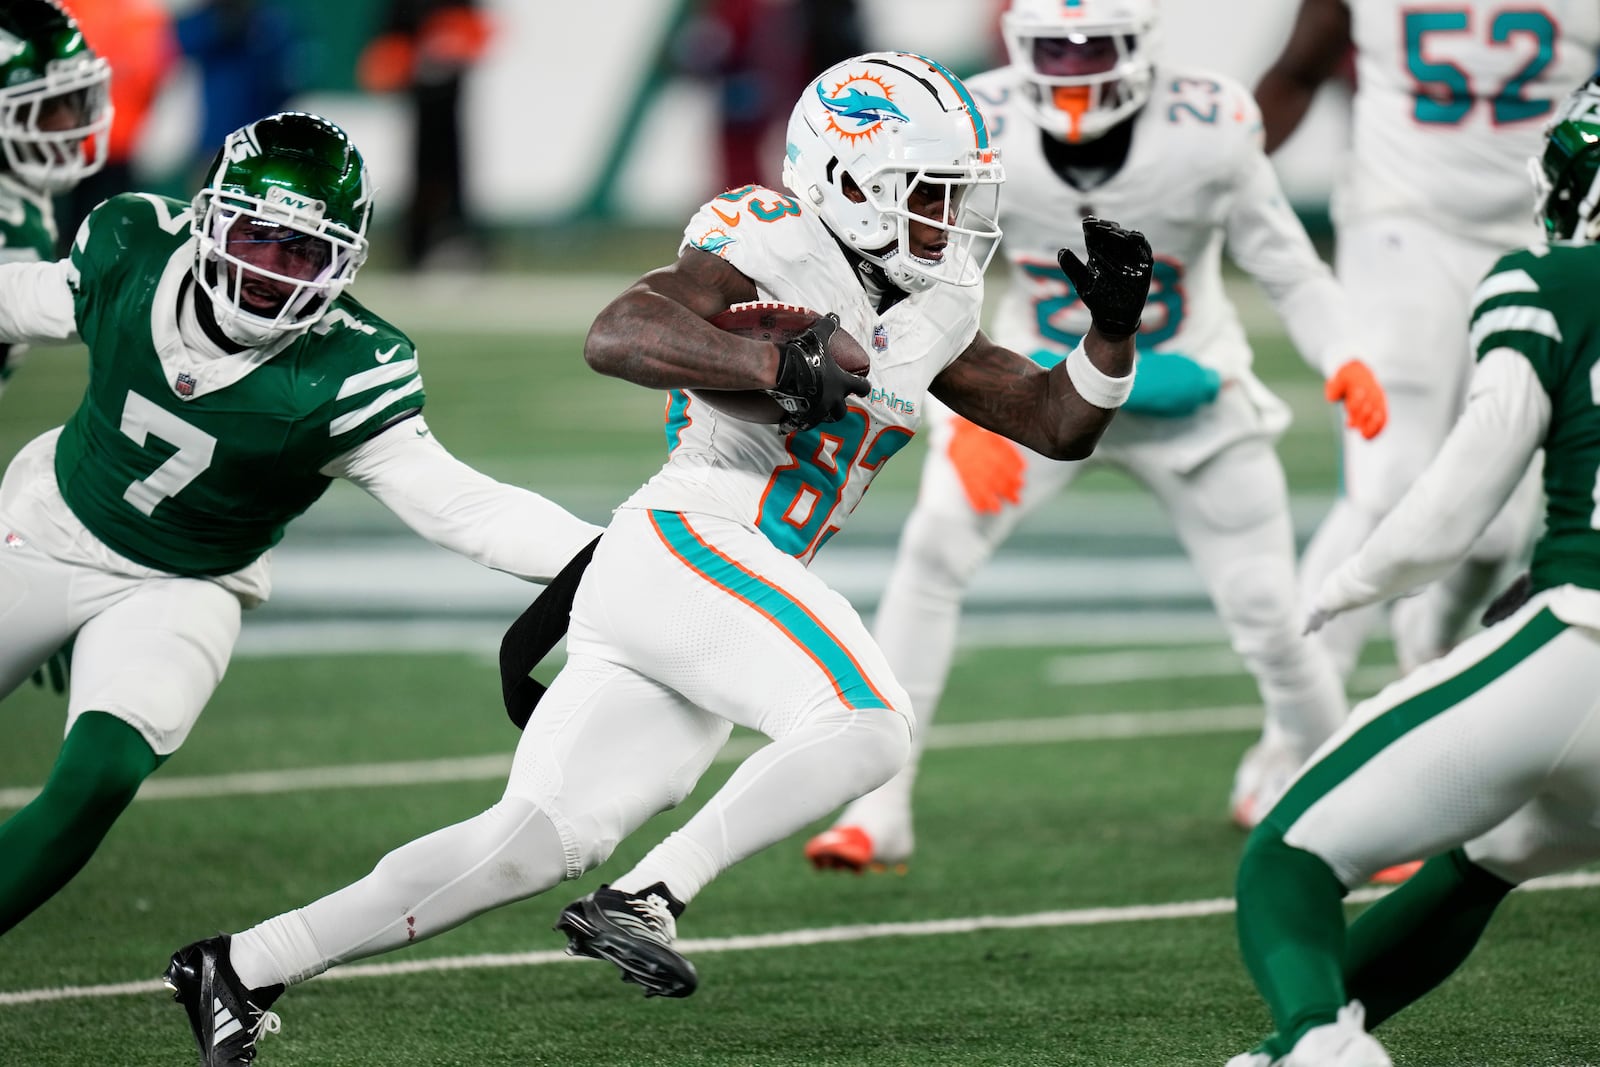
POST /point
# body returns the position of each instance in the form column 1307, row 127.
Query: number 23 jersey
column 798, row 488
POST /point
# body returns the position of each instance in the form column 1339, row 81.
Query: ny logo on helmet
column 859, row 106
column 295, row 204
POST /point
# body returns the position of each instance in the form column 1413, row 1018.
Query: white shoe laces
column 656, row 912
column 1354, row 1014
column 269, row 1023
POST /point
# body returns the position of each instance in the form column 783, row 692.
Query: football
column 777, row 323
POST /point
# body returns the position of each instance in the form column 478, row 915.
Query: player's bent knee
column 947, row 548
column 1257, row 603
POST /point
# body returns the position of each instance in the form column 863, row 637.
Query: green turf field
column 1106, row 796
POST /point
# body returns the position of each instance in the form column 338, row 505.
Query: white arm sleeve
column 456, row 507
column 36, row 302
column 1265, row 239
column 1450, row 504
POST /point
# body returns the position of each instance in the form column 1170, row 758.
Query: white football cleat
column 1343, row 1043
column 1264, row 775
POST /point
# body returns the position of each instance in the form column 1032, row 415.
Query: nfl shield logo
column 184, row 386
column 880, row 338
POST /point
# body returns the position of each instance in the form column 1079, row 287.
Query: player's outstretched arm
column 656, row 334
column 1320, row 38
column 1455, row 498
column 36, row 302
column 459, row 508
column 1062, row 412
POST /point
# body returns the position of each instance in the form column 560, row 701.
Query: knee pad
column 1257, row 602
column 514, row 850
column 947, row 547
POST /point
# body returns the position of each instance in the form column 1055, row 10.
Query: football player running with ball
column 1449, row 104
column 1487, row 759
column 1090, row 124
column 55, row 128
column 698, row 611
column 231, row 379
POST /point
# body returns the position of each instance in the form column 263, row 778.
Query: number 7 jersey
column 798, row 488
column 192, row 464
column 1451, row 101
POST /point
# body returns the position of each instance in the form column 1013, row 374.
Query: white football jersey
column 798, row 488
column 1194, row 178
column 1451, row 101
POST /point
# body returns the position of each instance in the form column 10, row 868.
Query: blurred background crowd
column 501, row 130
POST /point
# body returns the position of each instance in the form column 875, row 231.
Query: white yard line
column 1142, row 665
column 826, row 935
column 1111, row 726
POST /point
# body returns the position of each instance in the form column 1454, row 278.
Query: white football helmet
column 891, row 124
column 1084, row 65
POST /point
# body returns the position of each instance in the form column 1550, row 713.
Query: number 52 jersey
column 1451, row 101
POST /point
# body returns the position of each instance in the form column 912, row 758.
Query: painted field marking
column 1110, row 726
column 826, row 935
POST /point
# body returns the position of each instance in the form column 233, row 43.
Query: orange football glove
column 989, row 466
column 1365, row 407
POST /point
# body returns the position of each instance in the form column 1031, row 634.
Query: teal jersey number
column 1163, row 311
column 803, row 494
column 1444, row 92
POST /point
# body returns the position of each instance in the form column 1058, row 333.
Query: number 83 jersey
column 797, row 488
column 191, row 463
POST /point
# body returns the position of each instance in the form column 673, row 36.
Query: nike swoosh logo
column 729, row 222
column 384, row 357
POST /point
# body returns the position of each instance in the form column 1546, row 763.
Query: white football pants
column 1231, row 514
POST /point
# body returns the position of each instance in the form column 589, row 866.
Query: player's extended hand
column 1366, row 409
column 989, row 466
column 811, row 387
column 1114, row 283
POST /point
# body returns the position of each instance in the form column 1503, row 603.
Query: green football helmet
column 280, row 226
column 55, row 109
column 1567, row 174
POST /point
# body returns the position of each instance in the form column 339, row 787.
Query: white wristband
column 1094, row 384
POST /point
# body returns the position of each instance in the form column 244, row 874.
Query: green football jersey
column 27, row 235
column 27, row 224
column 1541, row 302
column 174, row 472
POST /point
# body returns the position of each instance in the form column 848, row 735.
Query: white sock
column 431, row 885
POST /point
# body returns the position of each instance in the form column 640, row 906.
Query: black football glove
column 1509, row 602
column 811, row 387
column 1114, row 283
column 55, row 672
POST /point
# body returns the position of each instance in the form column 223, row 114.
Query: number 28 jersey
column 798, row 488
column 193, row 464
column 1451, row 101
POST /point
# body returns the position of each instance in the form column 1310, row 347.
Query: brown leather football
column 767, row 321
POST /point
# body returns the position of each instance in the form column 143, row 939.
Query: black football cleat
column 635, row 931
column 227, row 1019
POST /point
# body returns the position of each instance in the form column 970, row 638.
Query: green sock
column 96, row 775
column 1291, row 933
column 1414, row 938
